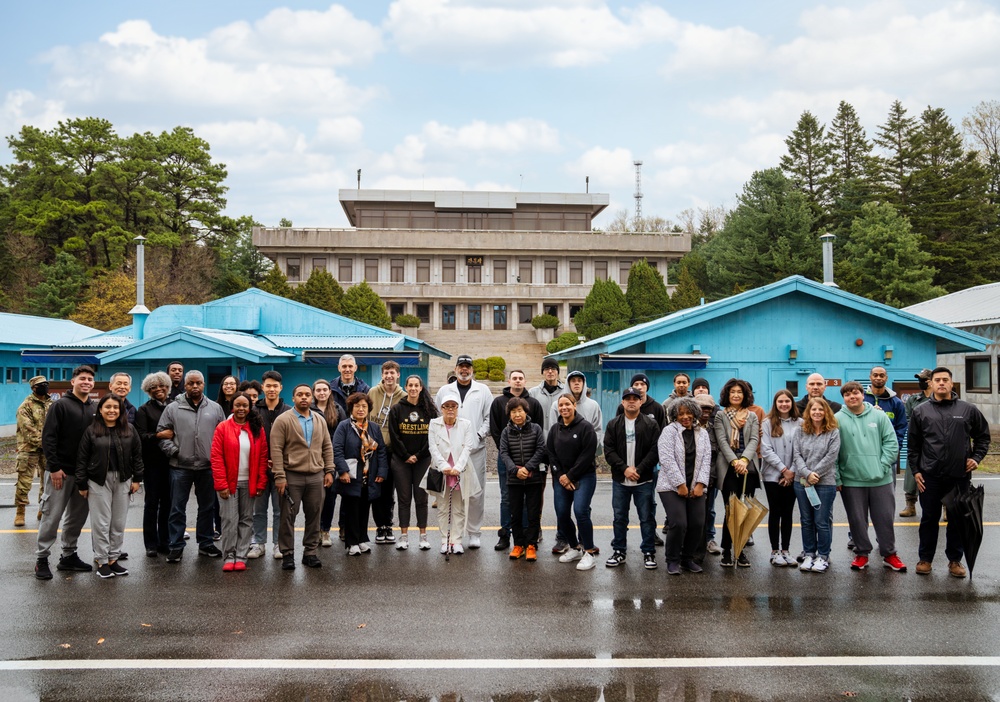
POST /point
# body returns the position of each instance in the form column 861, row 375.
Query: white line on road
column 500, row 663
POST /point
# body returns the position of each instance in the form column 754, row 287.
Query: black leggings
column 780, row 505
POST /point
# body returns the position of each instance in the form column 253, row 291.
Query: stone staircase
column 517, row 347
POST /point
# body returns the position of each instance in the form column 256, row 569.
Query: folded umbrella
column 965, row 508
column 744, row 515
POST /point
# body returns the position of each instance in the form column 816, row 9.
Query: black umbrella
column 965, row 505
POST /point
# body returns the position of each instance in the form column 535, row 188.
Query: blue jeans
column 642, row 496
column 817, row 522
column 271, row 497
column 570, row 503
column 181, row 480
column 711, row 494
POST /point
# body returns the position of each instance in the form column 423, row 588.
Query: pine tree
column 807, row 162
column 900, row 139
column 605, row 310
column 646, row 295
column 363, row 304
column 852, row 169
column 276, row 283
column 61, row 288
column 687, row 293
column 320, row 290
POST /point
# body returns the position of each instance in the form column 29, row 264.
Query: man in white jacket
column 476, row 400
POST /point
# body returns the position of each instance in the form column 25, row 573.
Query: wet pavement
column 407, row 625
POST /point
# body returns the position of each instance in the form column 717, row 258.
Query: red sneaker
column 859, row 563
column 239, row 565
column 228, row 567
column 893, row 563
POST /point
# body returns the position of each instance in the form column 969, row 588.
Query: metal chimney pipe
column 140, row 312
column 827, row 240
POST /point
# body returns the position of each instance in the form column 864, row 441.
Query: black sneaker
column 174, row 555
column 615, row 559
column 42, row 571
column 750, row 540
column 117, row 568
column 560, row 547
column 727, row 559
column 73, row 562
column 673, row 568
column 105, row 571
column 504, row 540
column 649, row 561
column 123, row 556
column 211, row 551
column 310, row 562
column 151, row 553
column 288, row 562
column 691, row 567
column 657, row 540
column 743, row 561
column 379, row 535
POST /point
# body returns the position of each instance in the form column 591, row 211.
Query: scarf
column 737, row 418
column 368, row 444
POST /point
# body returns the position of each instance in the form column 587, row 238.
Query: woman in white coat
column 451, row 441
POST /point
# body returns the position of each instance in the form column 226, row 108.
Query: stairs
column 517, row 347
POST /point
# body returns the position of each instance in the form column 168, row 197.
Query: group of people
column 386, row 449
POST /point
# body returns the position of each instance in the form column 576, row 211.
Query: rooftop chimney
column 827, row 240
column 140, row 312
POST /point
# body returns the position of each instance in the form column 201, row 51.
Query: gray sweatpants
column 237, row 522
column 108, row 512
column 56, row 503
column 880, row 504
column 477, row 503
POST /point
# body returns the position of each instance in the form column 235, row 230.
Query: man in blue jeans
column 630, row 450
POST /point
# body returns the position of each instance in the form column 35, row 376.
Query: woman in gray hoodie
column 776, row 436
column 815, row 449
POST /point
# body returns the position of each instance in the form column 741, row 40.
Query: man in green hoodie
column 866, row 475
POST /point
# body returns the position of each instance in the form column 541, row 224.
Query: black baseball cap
column 631, row 392
column 464, row 359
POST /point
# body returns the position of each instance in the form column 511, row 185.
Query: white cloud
column 339, row 132
column 557, row 34
column 396, row 182
column 516, row 135
column 607, row 168
column 702, row 50
column 22, row 107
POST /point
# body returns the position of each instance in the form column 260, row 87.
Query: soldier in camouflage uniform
column 30, row 459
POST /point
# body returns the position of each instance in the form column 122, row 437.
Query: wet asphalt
column 412, row 605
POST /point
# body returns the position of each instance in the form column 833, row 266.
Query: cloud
column 516, row 135
column 607, row 168
column 338, row 132
column 485, row 34
column 22, row 107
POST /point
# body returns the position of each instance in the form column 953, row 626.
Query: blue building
column 774, row 337
column 241, row 335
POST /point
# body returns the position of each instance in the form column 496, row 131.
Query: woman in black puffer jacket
column 522, row 449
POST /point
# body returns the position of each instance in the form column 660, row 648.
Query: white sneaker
column 276, row 554
column 424, row 543
column 354, row 551
column 574, row 554
column 474, row 542
column 789, row 559
column 325, row 540
column 587, row 562
column 402, row 544
column 365, row 547
column 457, row 548
column 820, row 564
column 806, row 564
column 444, row 548
column 388, row 536
column 777, row 559
column 256, row 551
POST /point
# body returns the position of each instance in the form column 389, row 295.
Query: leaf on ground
column 362, row 626
column 238, row 631
column 100, row 641
column 849, row 693
column 64, row 646
column 144, row 624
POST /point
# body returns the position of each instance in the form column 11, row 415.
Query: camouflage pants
column 28, row 465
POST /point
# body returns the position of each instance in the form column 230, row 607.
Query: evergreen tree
column 605, row 310
column 884, row 261
column 687, row 293
column 807, row 161
column 61, row 288
column 899, row 138
column 363, row 304
column 852, row 169
column 646, row 294
column 276, row 283
column 321, row 291
column 241, row 264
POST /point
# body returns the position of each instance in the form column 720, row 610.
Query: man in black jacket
column 65, row 423
column 270, row 407
column 630, row 450
column 498, row 421
column 815, row 387
column 650, row 407
column 948, row 438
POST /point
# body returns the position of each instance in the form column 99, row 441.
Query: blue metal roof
column 20, row 330
column 303, row 341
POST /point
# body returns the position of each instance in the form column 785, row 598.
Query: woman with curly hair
column 815, row 449
column 738, row 434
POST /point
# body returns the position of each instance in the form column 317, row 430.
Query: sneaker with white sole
column 789, row 559
column 365, row 547
column 820, row 565
column 380, row 535
column 777, row 559
column 587, row 562
column 388, row 535
column 457, row 549
column 574, row 554
column 475, row 542
column 354, row 551
column 256, row 551
column 402, row 544
column 276, row 553
column 325, row 539
column 806, row 564
column 713, row 548
column 444, row 548
column 615, row 559
column 425, row 545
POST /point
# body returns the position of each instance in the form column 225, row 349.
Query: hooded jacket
column 65, row 423
column 650, row 408
column 475, row 408
column 94, row 458
column 943, row 435
column 499, row 416
column 647, row 433
column 776, row 451
column 585, row 407
column 572, row 449
column 193, row 429
column 547, row 397
column 523, row 446
column 868, row 448
column 894, row 409
column 381, row 403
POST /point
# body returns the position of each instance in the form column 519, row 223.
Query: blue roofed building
column 774, row 337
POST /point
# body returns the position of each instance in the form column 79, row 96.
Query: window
column 600, row 270
column 395, row 270
column 319, row 264
column 447, row 316
column 499, row 316
column 575, row 272
column 448, row 270
column 475, row 316
column 397, row 220
column 551, row 272
column 346, row 270
column 524, row 270
column 573, row 309
column 525, row 313
column 371, row 270
column 792, row 386
column 652, row 264
column 66, row 373
column 293, row 268
column 977, row 374
column 499, row 270
column 396, row 309
column 475, row 274
column 25, row 375
column 623, row 268
column 552, row 309
column 10, row 376
column 423, row 270
column 424, row 313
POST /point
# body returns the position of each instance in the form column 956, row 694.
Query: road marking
column 500, row 663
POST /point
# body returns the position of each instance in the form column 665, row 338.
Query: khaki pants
column 305, row 489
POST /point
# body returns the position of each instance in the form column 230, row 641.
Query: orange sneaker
column 531, row 554
column 516, row 552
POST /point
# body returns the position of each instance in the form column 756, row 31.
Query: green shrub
column 545, row 321
column 407, row 320
column 496, row 375
column 481, row 375
column 562, row 342
column 496, row 363
column 479, row 365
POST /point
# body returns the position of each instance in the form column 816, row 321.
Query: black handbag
column 435, row 480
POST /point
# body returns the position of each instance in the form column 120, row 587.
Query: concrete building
column 470, row 261
column 977, row 373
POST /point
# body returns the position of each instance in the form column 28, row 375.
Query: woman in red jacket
column 239, row 467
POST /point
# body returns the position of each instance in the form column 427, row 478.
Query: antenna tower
column 638, row 193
